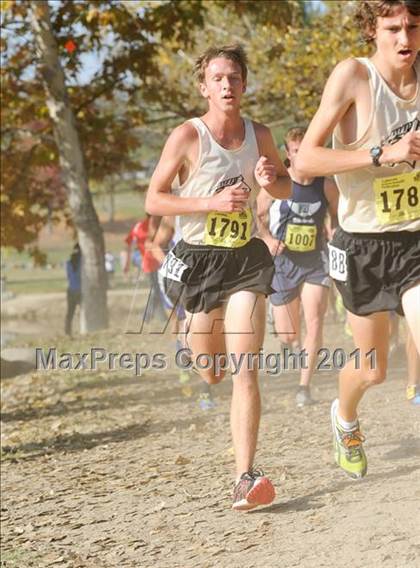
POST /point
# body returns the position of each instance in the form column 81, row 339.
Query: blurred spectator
column 140, row 237
column 109, row 267
column 73, row 272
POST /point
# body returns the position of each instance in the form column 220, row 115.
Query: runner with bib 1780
column 220, row 271
column 372, row 107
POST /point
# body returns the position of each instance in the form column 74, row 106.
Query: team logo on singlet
column 398, row 133
column 232, row 181
column 304, row 210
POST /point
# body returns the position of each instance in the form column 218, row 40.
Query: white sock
column 346, row 425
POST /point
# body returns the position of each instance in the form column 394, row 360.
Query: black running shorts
column 202, row 277
column 377, row 269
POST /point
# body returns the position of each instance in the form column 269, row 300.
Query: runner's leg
column 370, row 333
column 413, row 367
column 287, row 322
column 206, row 338
column 245, row 326
column 411, row 307
column 314, row 301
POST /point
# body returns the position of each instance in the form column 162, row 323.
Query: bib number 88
column 338, row 263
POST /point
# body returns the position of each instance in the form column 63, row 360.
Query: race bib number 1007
column 300, row 238
column 397, row 198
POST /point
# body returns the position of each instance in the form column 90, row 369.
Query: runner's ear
column 203, row 90
column 371, row 32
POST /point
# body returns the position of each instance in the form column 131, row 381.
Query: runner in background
column 141, row 235
column 294, row 231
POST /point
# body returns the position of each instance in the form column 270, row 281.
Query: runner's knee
column 289, row 339
column 375, row 376
column 210, row 377
column 246, row 381
column 314, row 328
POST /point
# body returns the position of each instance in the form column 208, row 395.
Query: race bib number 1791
column 231, row 230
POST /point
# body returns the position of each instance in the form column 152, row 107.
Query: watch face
column 376, row 152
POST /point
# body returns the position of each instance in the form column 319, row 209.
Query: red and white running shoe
column 253, row 489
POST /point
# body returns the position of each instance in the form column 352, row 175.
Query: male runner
column 219, row 271
column 293, row 230
column 372, row 107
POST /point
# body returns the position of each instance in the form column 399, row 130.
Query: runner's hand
column 406, row 149
column 265, row 172
column 229, row 200
column 274, row 246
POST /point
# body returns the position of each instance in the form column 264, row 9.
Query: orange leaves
column 70, row 46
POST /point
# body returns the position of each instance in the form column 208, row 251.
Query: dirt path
column 29, row 318
column 112, row 470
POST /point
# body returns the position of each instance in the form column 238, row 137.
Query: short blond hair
column 234, row 52
column 295, row 134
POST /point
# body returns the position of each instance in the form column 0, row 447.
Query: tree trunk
column 94, row 312
column 111, row 205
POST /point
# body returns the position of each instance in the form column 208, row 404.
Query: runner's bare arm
column 163, row 238
column 339, row 94
column 264, row 201
column 181, row 149
column 128, row 258
column 332, row 195
column 177, row 152
column 270, row 171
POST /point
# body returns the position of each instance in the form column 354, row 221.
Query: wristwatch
column 375, row 154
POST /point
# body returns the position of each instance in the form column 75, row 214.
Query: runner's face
column 292, row 150
column 223, row 84
column 398, row 38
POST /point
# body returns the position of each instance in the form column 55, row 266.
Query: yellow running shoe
column 349, row 453
column 183, row 376
column 413, row 394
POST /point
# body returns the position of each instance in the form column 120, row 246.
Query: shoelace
column 250, row 475
column 254, row 473
column 352, row 440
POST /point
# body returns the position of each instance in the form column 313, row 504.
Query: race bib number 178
column 397, row 198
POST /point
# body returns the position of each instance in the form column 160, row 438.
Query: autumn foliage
column 128, row 75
